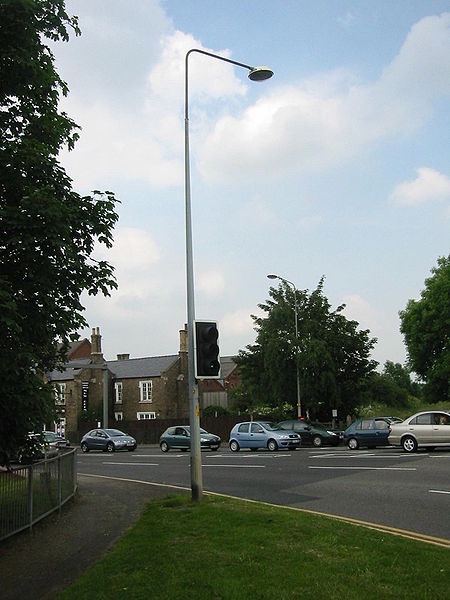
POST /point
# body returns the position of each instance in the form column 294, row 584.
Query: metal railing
column 30, row 493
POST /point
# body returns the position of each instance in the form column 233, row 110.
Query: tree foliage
column 47, row 231
column 333, row 356
column 425, row 325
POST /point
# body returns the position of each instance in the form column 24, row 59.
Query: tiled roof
column 121, row 369
column 141, row 367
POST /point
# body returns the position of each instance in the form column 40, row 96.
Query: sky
column 337, row 166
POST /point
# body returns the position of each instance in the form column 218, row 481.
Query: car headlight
column 331, row 432
column 284, row 437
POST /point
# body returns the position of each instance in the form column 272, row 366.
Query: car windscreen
column 270, row 426
column 114, row 432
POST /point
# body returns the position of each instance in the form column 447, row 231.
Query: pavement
column 41, row 563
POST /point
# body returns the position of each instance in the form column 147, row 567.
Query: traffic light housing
column 206, row 350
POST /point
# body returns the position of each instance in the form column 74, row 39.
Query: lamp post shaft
column 256, row 74
column 194, row 421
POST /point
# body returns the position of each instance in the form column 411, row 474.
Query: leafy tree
column 425, row 325
column 332, row 354
column 47, row 231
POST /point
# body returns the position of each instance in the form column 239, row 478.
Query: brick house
column 132, row 389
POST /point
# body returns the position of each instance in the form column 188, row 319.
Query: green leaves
column 333, row 356
column 47, row 231
column 425, row 324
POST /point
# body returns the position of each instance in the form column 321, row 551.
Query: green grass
column 222, row 548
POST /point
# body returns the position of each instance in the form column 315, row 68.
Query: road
column 383, row 486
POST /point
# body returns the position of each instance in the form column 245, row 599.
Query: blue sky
column 338, row 166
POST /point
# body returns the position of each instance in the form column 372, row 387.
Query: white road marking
column 238, row 466
column 132, row 464
column 438, row 492
column 368, row 468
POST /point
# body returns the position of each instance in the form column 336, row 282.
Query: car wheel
column 409, row 444
column 317, row 441
column 234, row 446
column 164, row 447
column 84, row 447
column 272, row 445
column 353, row 444
column 110, row 447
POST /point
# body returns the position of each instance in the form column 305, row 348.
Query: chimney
column 96, row 346
column 123, row 357
column 184, row 339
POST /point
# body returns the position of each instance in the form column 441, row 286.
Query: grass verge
column 223, row 548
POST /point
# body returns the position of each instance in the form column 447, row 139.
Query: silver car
column 427, row 429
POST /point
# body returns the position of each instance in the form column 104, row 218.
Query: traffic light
column 206, row 350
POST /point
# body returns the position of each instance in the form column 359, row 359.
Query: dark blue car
column 368, row 432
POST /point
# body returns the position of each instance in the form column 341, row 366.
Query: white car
column 427, row 429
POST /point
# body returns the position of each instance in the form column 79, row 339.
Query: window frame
column 151, row 417
column 145, row 391
column 118, row 392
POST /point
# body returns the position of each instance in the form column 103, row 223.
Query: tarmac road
column 384, row 485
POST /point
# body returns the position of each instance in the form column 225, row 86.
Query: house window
column 60, row 393
column 118, row 416
column 144, row 416
column 118, row 392
column 145, row 388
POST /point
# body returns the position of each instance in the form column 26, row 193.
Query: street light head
column 260, row 73
column 272, row 277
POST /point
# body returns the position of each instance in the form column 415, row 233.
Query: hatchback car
column 179, row 438
column 368, row 432
column 312, row 434
column 260, row 434
column 424, row 429
column 107, row 440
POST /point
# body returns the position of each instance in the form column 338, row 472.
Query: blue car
column 371, row 432
column 260, row 434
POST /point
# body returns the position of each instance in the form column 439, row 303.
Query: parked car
column 261, row 434
column 312, row 434
column 107, row 440
column 179, row 438
column 36, row 448
column 370, row 432
column 55, row 440
column 424, row 429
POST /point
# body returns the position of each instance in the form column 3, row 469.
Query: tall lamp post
column 299, row 407
column 255, row 74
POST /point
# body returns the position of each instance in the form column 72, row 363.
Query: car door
column 242, row 435
column 441, row 428
column 101, row 440
column 304, row 431
column 182, row 438
column 366, row 433
column 423, row 429
column 258, row 436
column 381, row 432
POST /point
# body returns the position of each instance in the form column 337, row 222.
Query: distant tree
column 47, row 231
column 333, row 356
column 425, row 325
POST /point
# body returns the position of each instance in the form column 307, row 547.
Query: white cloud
column 326, row 120
column 211, row 283
column 358, row 309
column 429, row 185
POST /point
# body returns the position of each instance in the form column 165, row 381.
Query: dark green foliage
column 425, row 324
column 47, row 231
column 333, row 356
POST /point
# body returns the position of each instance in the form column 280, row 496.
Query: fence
column 30, row 493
